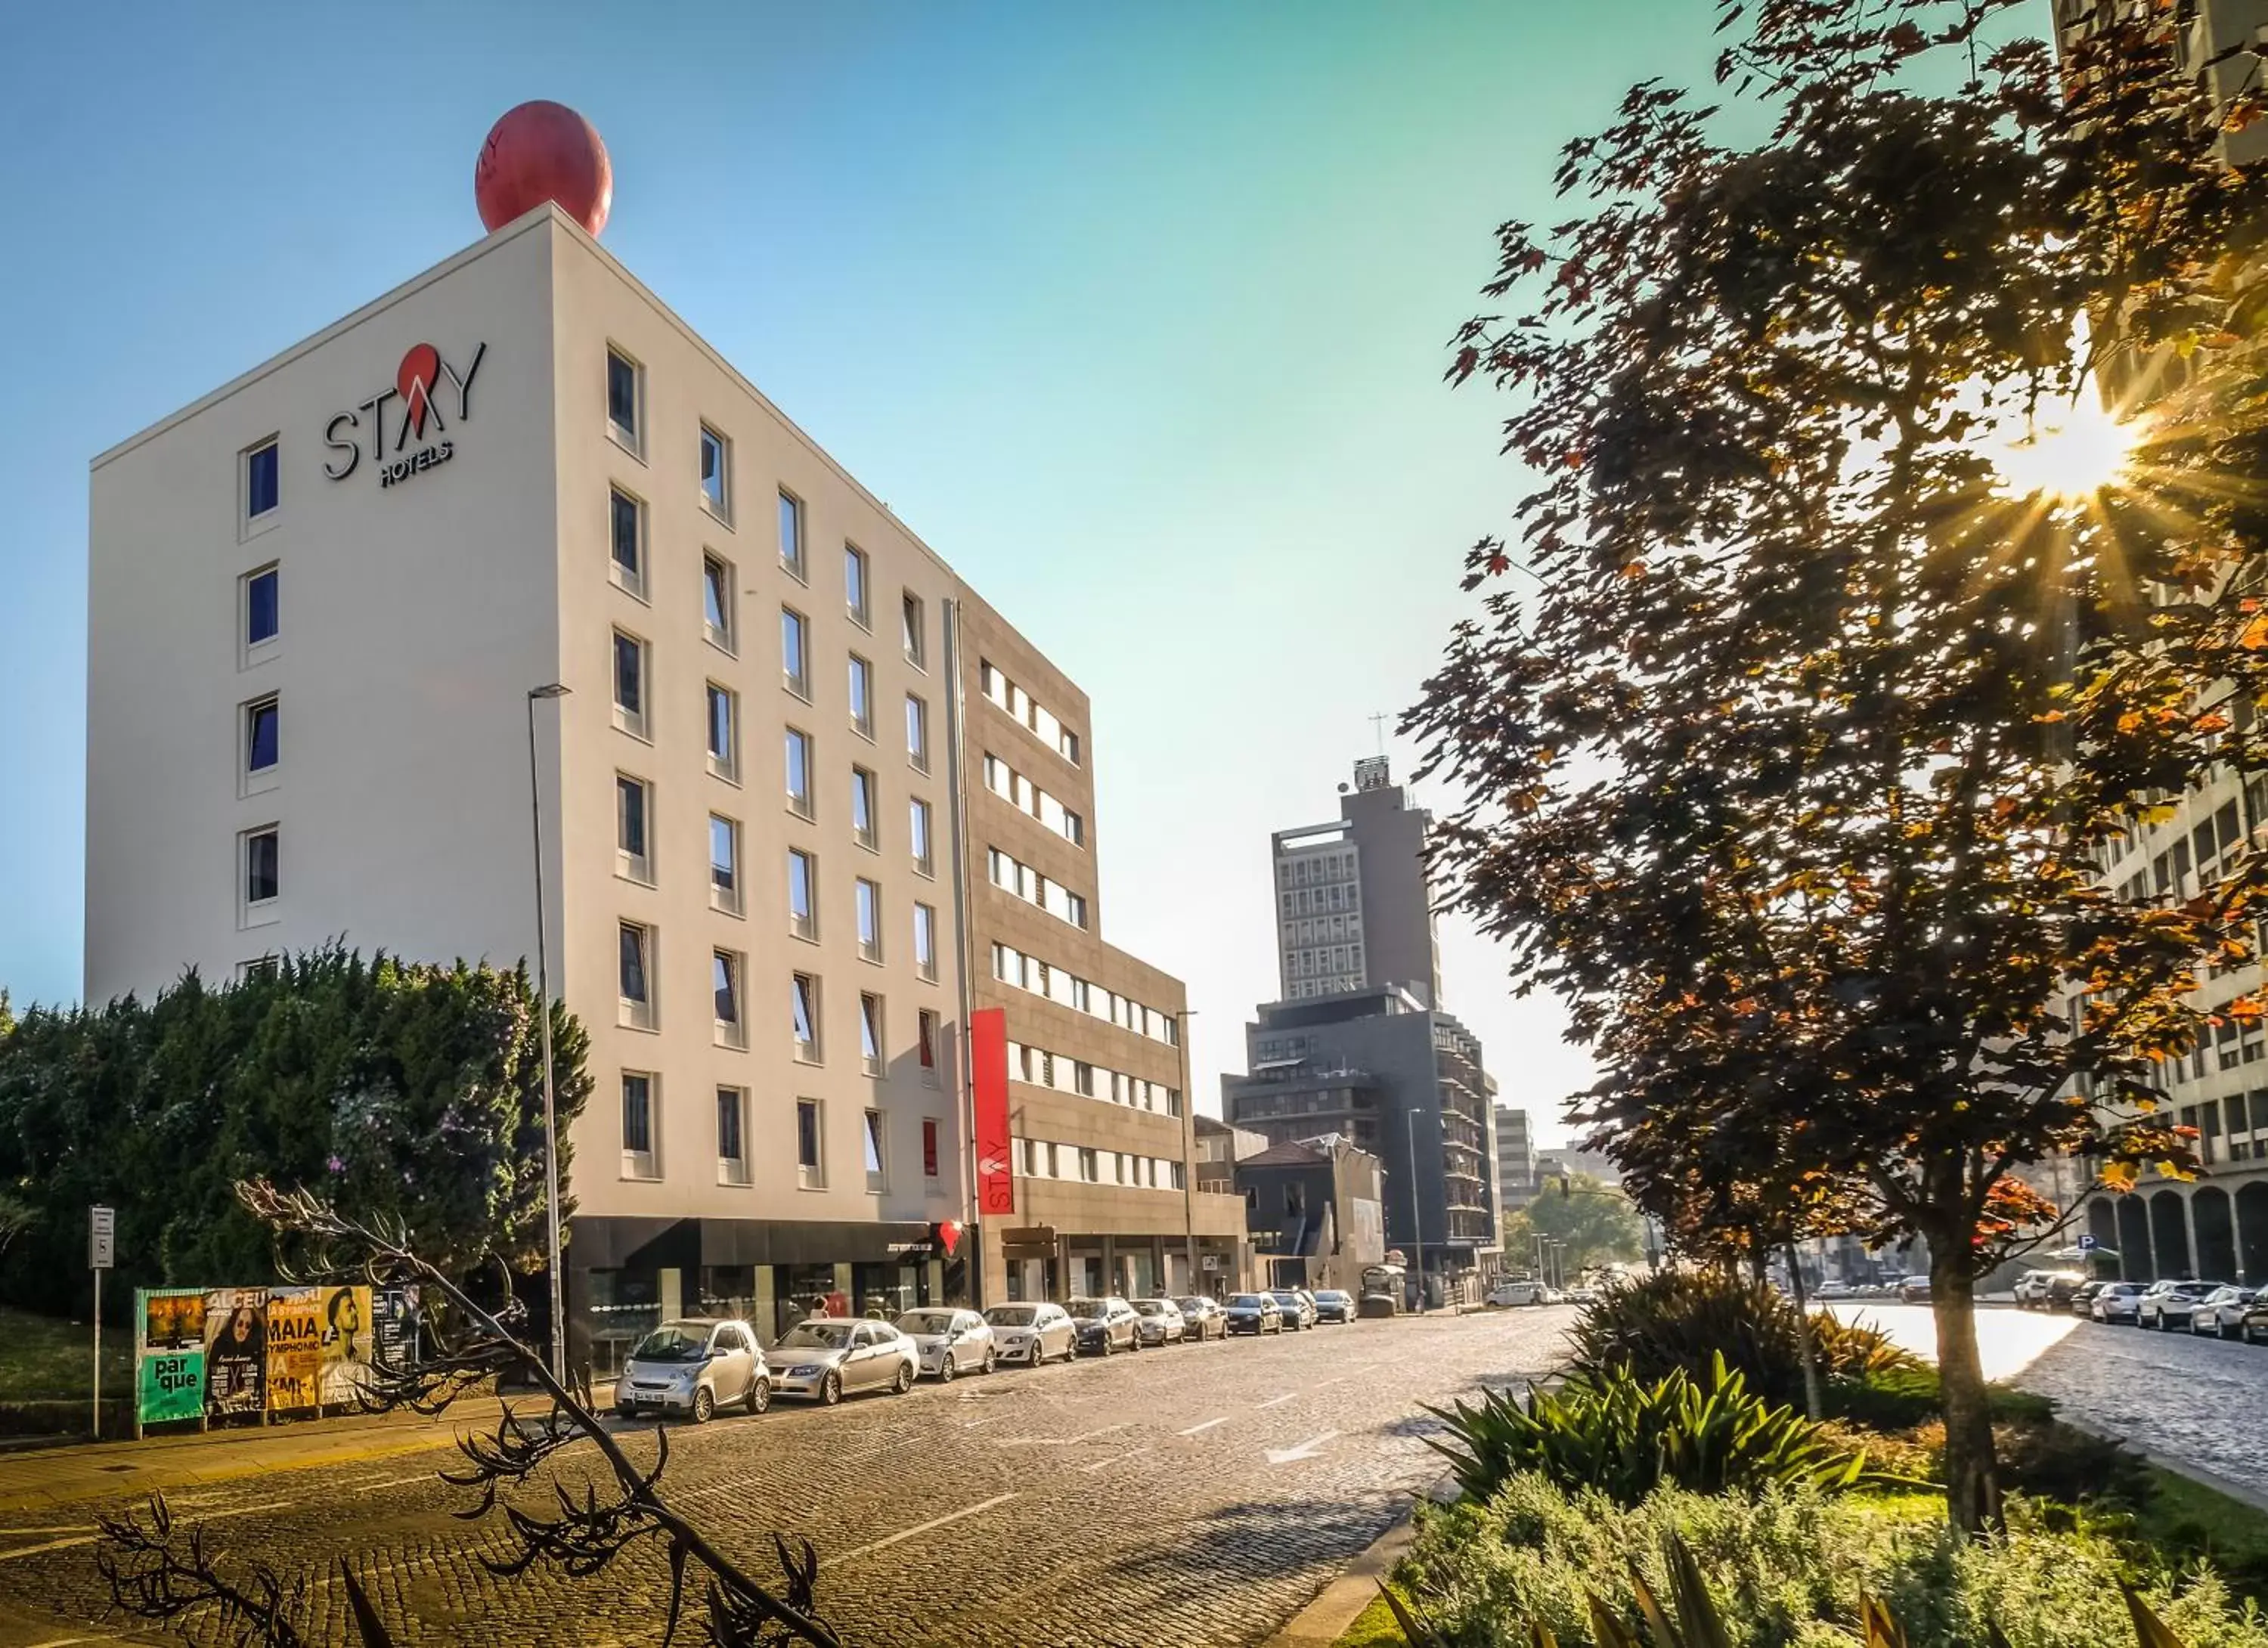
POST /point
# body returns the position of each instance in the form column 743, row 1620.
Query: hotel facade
column 804, row 802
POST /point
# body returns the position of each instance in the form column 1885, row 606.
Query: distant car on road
column 1512, row 1293
column 1160, row 1321
column 1253, row 1314
column 1913, row 1289
column 1105, row 1325
column 2165, row 1306
column 950, row 1342
column 1299, row 1309
column 2221, row 1312
column 829, row 1358
column 691, row 1367
column 2116, row 1302
column 1204, row 1317
column 1332, row 1306
column 1032, row 1333
column 2037, row 1289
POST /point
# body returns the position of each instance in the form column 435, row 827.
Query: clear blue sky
column 1135, row 312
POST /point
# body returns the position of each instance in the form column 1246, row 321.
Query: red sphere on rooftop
column 543, row 151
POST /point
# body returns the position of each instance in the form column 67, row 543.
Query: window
column 732, row 1135
column 1090, row 1167
column 876, row 1179
column 795, row 662
column 626, row 536
column 724, row 972
column 870, row 920
column 1067, row 742
column 799, row 772
column 916, row 644
column 929, row 1147
column 724, row 865
column 629, row 684
column 633, row 828
column 716, row 473
column 809, row 1168
column 724, row 733
column 263, row 877
column 805, row 990
column 918, row 818
column 917, row 733
column 790, row 534
column 263, row 726
column 262, row 618
column 802, row 893
column 624, row 401
column 854, row 585
column 862, row 696
column 870, row 1034
column 262, row 480
column 638, row 1125
column 863, row 807
column 925, row 942
column 925, row 1043
column 636, row 967
column 716, row 602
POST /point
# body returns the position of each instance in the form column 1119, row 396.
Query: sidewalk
column 45, row 1477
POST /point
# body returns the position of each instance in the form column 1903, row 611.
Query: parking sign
column 101, row 1225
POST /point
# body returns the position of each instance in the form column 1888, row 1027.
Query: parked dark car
column 2082, row 1298
column 1333, row 1305
column 2061, row 1287
column 1255, row 1313
column 1105, row 1325
column 2253, row 1330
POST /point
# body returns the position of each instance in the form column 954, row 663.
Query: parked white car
column 691, row 1367
column 950, row 1342
column 1033, row 1332
column 1162, row 1321
column 1517, row 1293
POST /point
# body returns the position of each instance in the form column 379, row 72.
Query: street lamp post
column 543, row 1018
column 1417, row 1209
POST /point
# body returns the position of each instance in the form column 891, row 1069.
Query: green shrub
column 1784, row 1569
column 1677, row 1319
column 1625, row 1436
column 2071, row 1467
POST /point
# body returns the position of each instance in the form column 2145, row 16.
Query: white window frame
column 918, row 732
column 250, row 782
column 861, row 612
column 631, row 580
column 630, row 1013
column 815, row 1000
column 857, row 667
column 630, row 867
column 645, row 1164
column 796, row 681
column 866, row 785
column 733, row 1170
column 913, row 622
column 252, row 912
column 631, row 440
column 248, row 652
column 875, row 1139
column 798, row 565
column 924, row 920
column 922, row 838
column 873, row 1026
column 807, row 806
column 929, row 1036
column 807, row 925
column 720, row 507
column 866, row 901
column 726, row 763
column 248, row 525
column 726, row 640
column 729, row 1032
column 731, row 901
column 810, row 1175
column 637, row 723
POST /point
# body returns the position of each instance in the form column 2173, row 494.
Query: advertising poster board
column 395, row 1330
column 295, row 1349
column 344, row 1316
column 169, row 1355
column 236, row 1352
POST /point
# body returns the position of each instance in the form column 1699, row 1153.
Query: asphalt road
column 1194, row 1495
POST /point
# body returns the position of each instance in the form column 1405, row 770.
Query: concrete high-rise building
column 807, row 801
column 1401, row 1081
column 1353, row 910
column 1515, row 1160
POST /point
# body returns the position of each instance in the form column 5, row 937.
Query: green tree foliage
column 403, row 1091
column 1596, row 1223
column 1795, row 750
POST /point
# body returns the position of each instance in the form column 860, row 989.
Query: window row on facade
column 636, row 837
column 1036, row 717
column 638, row 1005
column 1316, row 901
column 1039, row 1068
column 1082, row 1164
column 641, row 1121
column 1027, row 797
column 1013, row 875
column 1307, row 869
column 1059, row 984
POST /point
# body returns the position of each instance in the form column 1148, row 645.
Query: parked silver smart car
column 829, row 1358
column 950, row 1342
column 691, row 1367
column 1034, row 1333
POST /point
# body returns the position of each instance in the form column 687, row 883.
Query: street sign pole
column 101, row 1227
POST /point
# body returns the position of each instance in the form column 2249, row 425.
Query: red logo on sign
column 413, row 381
column 988, row 1059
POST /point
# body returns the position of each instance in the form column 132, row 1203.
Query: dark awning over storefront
column 637, row 1244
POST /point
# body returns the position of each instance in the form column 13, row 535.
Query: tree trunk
column 1811, row 1403
column 1972, row 1484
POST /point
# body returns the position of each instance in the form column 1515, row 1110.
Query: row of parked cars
column 2220, row 1309
column 695, row 1367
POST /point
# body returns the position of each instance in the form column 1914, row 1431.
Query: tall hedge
column 399, row 1089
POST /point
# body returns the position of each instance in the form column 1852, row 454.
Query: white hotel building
column 319, row 599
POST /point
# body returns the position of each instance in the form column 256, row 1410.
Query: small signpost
column 2087, row 1243
column 101, row 1236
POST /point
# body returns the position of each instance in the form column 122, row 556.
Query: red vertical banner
column 988, row 1062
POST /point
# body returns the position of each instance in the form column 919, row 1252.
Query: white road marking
column 89, row 1539
column 970, row 1424
column 54, row 1527
column 1277, row 1401
column 1060, row 1441
column 1305, row 1451
column 1116, row 1459
column 939, row 1522
column 397, row 1482
column 1319, row 1384
column 1197, row 1429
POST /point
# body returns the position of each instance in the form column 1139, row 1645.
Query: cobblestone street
column 1193, row 1496
column 2171, row 1395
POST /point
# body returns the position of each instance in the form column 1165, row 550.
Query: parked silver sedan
column 829, row 1358
column 2221, row 1312
column 1033, row 1332
column 950, row 1342
column 1203, row 1317
column 1162, row 1322
column 691, row 1367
